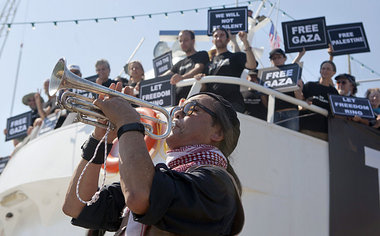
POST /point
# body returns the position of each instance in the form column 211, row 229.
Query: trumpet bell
column 62, row 78
column 56, row 77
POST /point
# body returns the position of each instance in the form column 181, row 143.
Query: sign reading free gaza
column 309, row 34
column 347, row 38
column 233, row 19
column 17, row 126
column 282, row 78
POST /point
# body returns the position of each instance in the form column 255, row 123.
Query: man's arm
column 299, row 56
column 168, row 72
column 135, row 165
column 89, row 182
column 251, row 60
column 234, row 45
column 41, row 111
column 198, row 68
column 88, row 186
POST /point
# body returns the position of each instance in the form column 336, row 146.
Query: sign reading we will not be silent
column 232, row 19
column 309, row 34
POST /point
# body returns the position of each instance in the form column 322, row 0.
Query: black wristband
column 88, row 149
column 131, row 127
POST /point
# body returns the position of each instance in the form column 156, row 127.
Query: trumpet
column 62, row 78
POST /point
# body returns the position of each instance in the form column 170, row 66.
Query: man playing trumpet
column 195, row 193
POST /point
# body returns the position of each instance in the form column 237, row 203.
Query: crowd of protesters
column 221, row 61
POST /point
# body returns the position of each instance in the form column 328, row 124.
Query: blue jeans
column 288, row 119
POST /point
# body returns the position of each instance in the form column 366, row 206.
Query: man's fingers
column 119, row 86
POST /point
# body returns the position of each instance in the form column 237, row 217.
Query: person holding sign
column 196, row 193
column 256, row 103
column 137, row 74
column 193, row 64
column 316, row 93
column 28, row 100
column 226, row 63
column 286, row 114
column 373, row 95
column 46, row 108
column 346, row 85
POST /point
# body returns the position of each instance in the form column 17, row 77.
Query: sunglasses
column 341, row 82
column 189, row 107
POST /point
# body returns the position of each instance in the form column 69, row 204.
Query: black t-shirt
column 184, row 66
column 254, row 105
column 203, row 201
column 318, row 94
column 35, row 115
column 280, row 104
column 105, row 84
column 228, row 64
column 108, row 83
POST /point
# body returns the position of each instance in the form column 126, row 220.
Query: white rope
column 95, row 197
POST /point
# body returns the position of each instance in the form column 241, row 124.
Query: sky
column 86, row 42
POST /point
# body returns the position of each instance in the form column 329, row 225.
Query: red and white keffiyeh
column 200, row 154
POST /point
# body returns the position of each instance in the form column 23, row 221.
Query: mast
column 16, row 79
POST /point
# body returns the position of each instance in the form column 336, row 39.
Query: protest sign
column 49, row 123
column 17, row 126
column 3, row 163
column 162, row 63
column 351, row 106
column 282, row 78
column 347, row 38
column 309, row 34
column 158, row 91
column 233, row 19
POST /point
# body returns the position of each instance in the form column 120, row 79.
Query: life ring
column 113, row 157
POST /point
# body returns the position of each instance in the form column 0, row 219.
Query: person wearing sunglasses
column 346, row 85
column 196, row 192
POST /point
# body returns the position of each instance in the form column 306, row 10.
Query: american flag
column 274, row 38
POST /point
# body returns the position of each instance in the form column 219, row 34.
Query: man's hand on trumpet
column 118, row 110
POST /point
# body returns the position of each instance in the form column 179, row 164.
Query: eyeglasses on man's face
column 189, row 107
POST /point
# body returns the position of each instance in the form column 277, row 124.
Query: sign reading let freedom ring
column 158, row 91
column 309, row 34
column 351, row 106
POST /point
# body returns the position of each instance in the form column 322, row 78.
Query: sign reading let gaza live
column 309, row 34
column 283, row 78
column 347, row 38
column 17, row 126
column 233, row 19
column 158, row 91
column 351, row 106
column 162, row 63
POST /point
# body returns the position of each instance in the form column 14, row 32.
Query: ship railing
column 272, row 94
